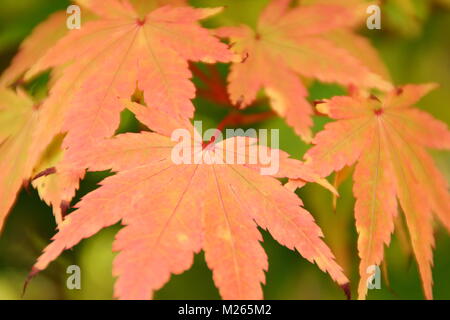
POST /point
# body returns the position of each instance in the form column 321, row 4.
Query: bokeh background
column 414, row 43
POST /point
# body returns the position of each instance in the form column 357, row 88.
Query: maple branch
column 216, row 86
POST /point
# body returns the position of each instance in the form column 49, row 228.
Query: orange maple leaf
column 47, row 33
column 171, row 211
column 292, row 42
column 387, row 140
column 109, row 57
column 116, row 50
column 19, row 117
column 17, row 122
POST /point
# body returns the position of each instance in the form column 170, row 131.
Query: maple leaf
column 108, row 57
column 19, row 117
column 171, row 211
column 292, row 42
column 17, row 121
column 56, row 189
column 47, row 33
column 387, row 140
column 104, row 61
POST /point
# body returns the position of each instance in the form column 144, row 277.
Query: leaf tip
column 208, row 12
column 34, row 271
column 346, row 288
column 64, row 206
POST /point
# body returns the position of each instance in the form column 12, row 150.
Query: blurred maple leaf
column 17, row 122
column 387, row 140
column 19, row 117
column 310, row 41
column 107, row 58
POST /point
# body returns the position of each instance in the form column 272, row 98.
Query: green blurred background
column 414, row 43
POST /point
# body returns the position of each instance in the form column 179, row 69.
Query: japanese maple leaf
column 47, row 34
column 114, row 51
column 171, row 211
column 17, row 122
column 59, row 188
column 19, row 117
column 108, row 57
column 289, row 43
column 387, row 140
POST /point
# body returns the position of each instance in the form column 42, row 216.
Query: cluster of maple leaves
column 172, row 211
